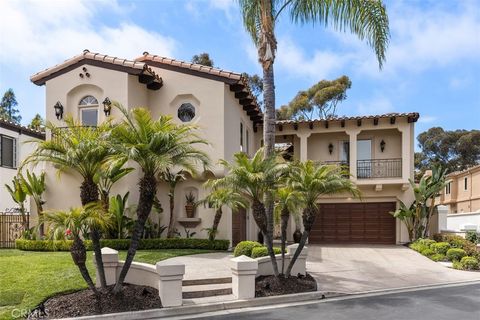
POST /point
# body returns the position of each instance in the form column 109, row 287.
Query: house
column 377, row 149
column 13, row 150
column 462, row 192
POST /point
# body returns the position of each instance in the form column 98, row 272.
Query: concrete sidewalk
column 347, row 268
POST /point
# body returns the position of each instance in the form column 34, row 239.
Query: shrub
column 124, row 244
column 438, row 237
column 428, row 252
column 472, row 236
column 469, row 263
column 440, row 247
column 457, row 265
column 427, row 242
column 437, row 257
column 418, row 246
column 258, row 252
column 455, row 254
column 245, row 248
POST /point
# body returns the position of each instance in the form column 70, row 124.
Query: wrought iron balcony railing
column 379, row 168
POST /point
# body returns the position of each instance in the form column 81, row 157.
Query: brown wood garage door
column 354, row 223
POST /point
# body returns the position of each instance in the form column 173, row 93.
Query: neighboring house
column 13, row 150
column 377, row 149
column 462, row 192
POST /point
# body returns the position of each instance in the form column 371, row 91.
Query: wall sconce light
column 330, row 148
column 382, row 145
column 58, row 110
column 107, row 106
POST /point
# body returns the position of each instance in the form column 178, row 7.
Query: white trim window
column 88, row 109
column 8, row 152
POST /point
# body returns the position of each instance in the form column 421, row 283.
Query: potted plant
column 191, row 204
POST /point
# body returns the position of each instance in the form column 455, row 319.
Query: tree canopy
column 453, row 150
column 255, row 82
column 37, row 123
column 8, row 107
column 319, row 101
column 203, row 59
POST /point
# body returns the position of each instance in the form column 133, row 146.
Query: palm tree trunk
column 309, row 215
column 269, row 110
column 171, row 197
column 216, row 222
column 258, row 212
column 285, row 215
column 79, row 257
column 148, row 190
column 88, row 194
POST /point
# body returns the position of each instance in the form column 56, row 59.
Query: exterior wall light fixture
column 382, row 145
column 107, row 106
column 330, row 148
column 58, row 110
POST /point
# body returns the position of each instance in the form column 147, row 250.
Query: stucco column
column 353, row 153
column 110, row 263
column 406, row 153
column 303, row 145
column 170, row 275
column 244, row 270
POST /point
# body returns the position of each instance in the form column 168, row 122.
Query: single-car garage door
column 354, row 223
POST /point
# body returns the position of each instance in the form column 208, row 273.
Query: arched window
column 88, row 106
column 186, row 112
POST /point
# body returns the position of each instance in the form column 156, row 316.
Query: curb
column 302, row 298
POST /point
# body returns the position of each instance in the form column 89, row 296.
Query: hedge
column 244, row 248
column 123, row 244
column 258, row 252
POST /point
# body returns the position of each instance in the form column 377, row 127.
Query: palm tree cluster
column 297, row 188
column 99, row 156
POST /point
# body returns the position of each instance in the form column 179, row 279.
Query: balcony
column 379, row 168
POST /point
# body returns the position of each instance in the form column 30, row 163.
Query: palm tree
column 84, row 150
column 155, row 145
column 111, row 174
column 34, row 186
column 312, row 181
column 172, row 179
column 71, row 223
column 252, row 179
column 18, row 194
column 287, row 201
column 217, row 199
column 366, row 18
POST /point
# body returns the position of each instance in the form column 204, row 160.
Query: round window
column 186, row 112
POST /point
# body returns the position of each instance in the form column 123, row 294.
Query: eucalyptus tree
column 252, row 179
column 155, row 146
column 311, row 181
column 84, row 150
column 367, row 19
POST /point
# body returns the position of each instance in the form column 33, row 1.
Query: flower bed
column 123, row 244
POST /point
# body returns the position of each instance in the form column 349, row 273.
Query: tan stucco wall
column 462, row 200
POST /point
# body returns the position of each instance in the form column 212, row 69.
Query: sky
column 432, row 62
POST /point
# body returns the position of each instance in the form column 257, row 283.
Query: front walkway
column 347, row 268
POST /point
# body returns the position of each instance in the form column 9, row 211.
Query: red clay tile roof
column 97, row 59
column 4, row 123
column 412, row 116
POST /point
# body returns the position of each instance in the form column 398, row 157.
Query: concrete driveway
column 347, row 268
column 358, row 268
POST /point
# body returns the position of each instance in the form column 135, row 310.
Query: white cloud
column 41, row 33
column 427, row 119
column 318, row 65
column 378, row 104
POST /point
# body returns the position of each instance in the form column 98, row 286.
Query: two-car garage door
column 354, row 223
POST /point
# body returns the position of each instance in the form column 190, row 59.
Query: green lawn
column 28, row 278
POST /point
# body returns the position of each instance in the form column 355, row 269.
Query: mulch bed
column 84, row 303
column 266, row 286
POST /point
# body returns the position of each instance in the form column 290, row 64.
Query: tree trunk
column 269, row 110
column 41, row 229
column 89, row 194
column 285, row 215
column 309, row 215
column 171, row 223
column 148, row 190
column 258, row 213
column 79, row 257
column 216, row 222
